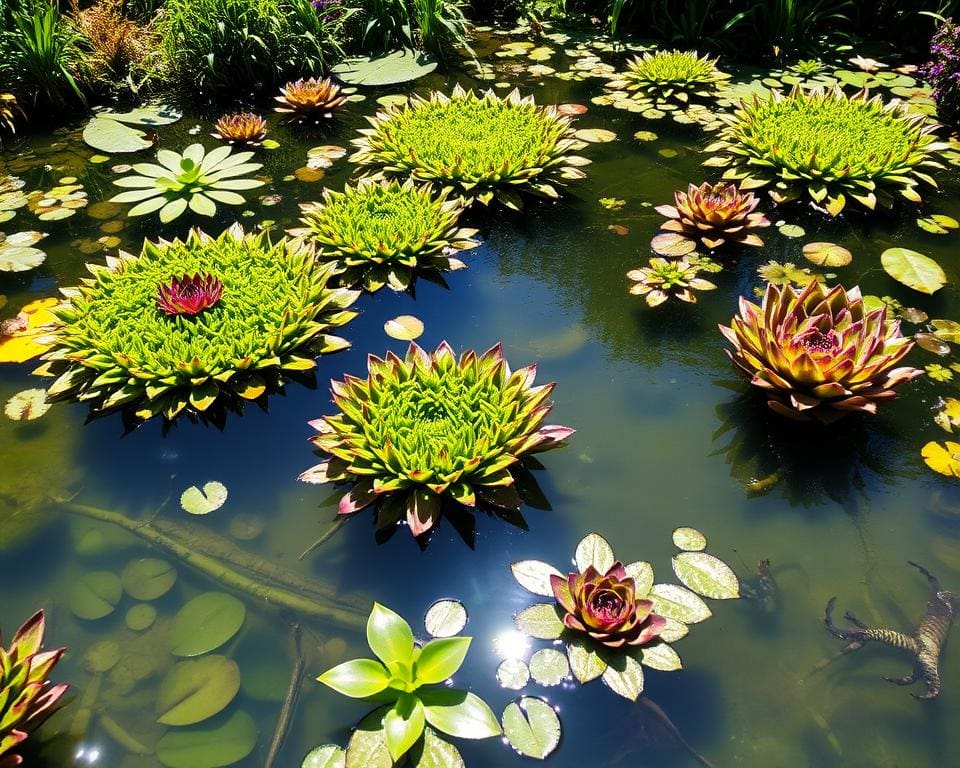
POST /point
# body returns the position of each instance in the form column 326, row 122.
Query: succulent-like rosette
column 714, row 215
column 196, row 179
column 27, row 697
column 428, row 428
column 664, row 279
column 310, row 100
column 665, row 76
column 383, row 232
column 605, row 606
column 828, row 146
column 819, row 353
column 189, row 295
column 116, row 347
column 485, row 146
column 241, row 128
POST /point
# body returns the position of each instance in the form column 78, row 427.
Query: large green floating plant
column 428, row 428
column 384, row 233
column 670, row 76
column 185, row 322
column 486, row 146
column 829, row 146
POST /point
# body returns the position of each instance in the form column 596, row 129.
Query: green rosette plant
column 612, row 618
column 671, row 76
column 27, row 697
column 487, row 147
column 196, row 179
column 406, row 678
column 383, row 232
column 827, row 146
column 141, row 332
column 431, row 428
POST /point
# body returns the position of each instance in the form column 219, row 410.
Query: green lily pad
column 534, row 575
column 148, row 578
column 102, row 656
column 585, row 662
column 532, row 727
column 95, row 595
column 549, row 667
column 367, row 747
column 913, row 269
column 707, row 575
column 689, row 540
column 396, row 67
column 594, row 550
column 325, row 756
column 662, row 657
column 197, row 689
column 675, row 602
column 27, row 405
column 112, row 136
column 213, row 747
column 434, row 752
column 672, row 244
column 595, row 135
column 938, row 224
column 141, row 617
column 541, row 621
column 206, row 623
column 198, row 502
column 404, row 328
column 827, row 254
column 624, row 676
column 445, row 618
column 513, row 674
column 792, row 230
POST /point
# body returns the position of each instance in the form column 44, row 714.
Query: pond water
column 667, row 435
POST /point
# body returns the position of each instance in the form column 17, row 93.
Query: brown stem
column 289, row 702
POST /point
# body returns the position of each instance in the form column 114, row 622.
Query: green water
column 666, row 436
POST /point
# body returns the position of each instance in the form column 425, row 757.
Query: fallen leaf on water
column 27, row 405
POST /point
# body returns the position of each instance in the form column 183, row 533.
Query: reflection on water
column 666, row 436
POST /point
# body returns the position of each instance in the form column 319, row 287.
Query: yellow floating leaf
column 595, row 135
column 404, row 327
column 949, row 416
column 944, row 459
column 25, row 338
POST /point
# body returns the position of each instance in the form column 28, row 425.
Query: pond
column 667, row 435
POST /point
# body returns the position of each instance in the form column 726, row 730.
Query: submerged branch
column 289, row 701
column 334, row 527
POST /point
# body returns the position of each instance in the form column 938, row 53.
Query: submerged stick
column 275, row 596
column 289, row 701
column 674, row 731
column 334, row 527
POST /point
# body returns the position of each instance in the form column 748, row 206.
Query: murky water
column 667, row 436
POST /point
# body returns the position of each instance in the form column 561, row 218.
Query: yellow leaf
column 949, row 415
column 944, row 459
column 34, row 321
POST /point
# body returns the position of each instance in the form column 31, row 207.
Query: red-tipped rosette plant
column 189, row 295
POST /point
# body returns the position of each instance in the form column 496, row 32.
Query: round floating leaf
column 309, row 175
column 197, row 689
column 624, row 676
column 141, row 617
column 792, row 230
column 404, row 327
column 571, row 110
column 148, row 578
column 594, row 550
column 534, row 576
column 913, row 269
column 595, row 135
column 209, row 747
column 20, row 258
column 95, row 595
column 944, row 459
column 938, row 224
column 827, row 254
column 549, row 667
column 707, row 575
column 113, row 136
column 396, row 67
column 393, row 99
column 27, row 405
column 368, row 746
column 513, row 674
column 541, row 621
column 102, row 656
column 325, row 756
column 672, row 244
column 205, row 623
column 661, row 656
column 433, row 752
column 689, row 540
column 674, row 602
column 532, row 727
column 645, row 136
column 445, row 618
column 198, row 502
column 246, row 527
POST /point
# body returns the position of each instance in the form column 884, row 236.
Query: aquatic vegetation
column 827, row 145
column 818, row 353
column 714, row 215
column 196, row 179
column 486, row 146
column 406, row 677
column 428, row 428
column 240, row 128
column 27, row 697
column 665, row 76
column 925, row 643
column 943, row 71
column 612, row 618
column 10, row 111
column 441, row 26
column 664, row 279
column 189, row 295
column 115, row 347
column 310, row 100
column 383, row 233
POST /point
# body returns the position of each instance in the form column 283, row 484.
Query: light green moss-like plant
column 486, row 146
column 196, row 179
column 383, row 233
column 667, row 76
column 428, row 427
column 116, row 347
column 829, row 146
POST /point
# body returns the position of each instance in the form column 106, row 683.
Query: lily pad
column 206, row 623
column 325, row 756
column 113, row 136
column 445, row 618
column 913, row 269
column 148, row 578
column 689, row 540
column 95, row 595
column 594, row 550
column 541, row 621
column 827, row 254
column 707, row 575
column 534, row 576
column 662, row 657
column 938, row 224
column 672, row 244
column 532, row 727
column 624, row 676
column 140, row 617
column 792, row 230
column 148, row 114
column 102, row 656
column 209, row 747
column 549, row 667
column 27, row 405
column 404, row 327
column 197, row 689
column 595, row 135
column 675, row 602
column 434, row 752
column 368, row 744
column 397, row 67
column 513, row 674
column 943, row 458
column 198, row 502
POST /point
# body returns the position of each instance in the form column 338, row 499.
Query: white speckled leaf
column 675, row 602
column 707, row 575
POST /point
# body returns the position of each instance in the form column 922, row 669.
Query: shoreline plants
column 827, row 146
column 429, row 429
column 943, row 71
column 487, row 147
column 383, row 233
column 248, row 316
